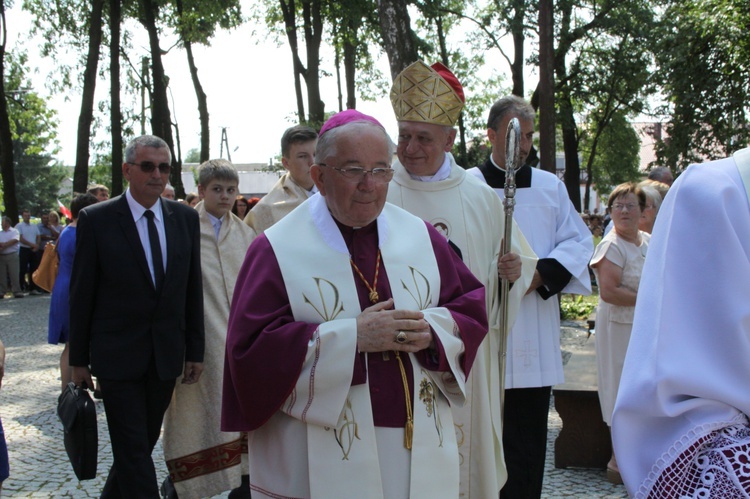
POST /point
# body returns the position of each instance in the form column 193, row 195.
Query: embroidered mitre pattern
column 420, row 94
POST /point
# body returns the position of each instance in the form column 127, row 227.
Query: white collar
column 495, row 164
column 138, row 209
column 215, row 220
column 328, row 229
column 443, row 172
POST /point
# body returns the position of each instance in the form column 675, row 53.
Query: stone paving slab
column 38, row 464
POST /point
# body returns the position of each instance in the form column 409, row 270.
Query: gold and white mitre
column 427, row 95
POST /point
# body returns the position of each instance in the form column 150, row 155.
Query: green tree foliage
column 351, row 29
column 34, row 131
column 444, row 30
column 100, row 172
column 610, row 79
column 703, row 66
column 302, row 22
column 6, row 138
column 199, row 20
column 589, row 35
column 439, row 18
column 491, row 22
column 193, row 156
column 196, row 22
column 38, row 178
column 355, row 35
column 86, row 117
column 617, row 158
column 63, row 25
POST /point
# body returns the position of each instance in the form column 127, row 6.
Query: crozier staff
column 352, row 326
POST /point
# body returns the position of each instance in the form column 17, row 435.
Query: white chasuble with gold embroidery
column 470, row 214
column 202, row 460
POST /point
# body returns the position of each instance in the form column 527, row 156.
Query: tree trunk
column 398, row 39
column 337, row 65
column 81, row 172
column 6, row 138
column 202, row 104
column 565, row 103
column 517, row 29
column 570, row 145
column 288, row 10
column 547, row 148
column 350, row 62
column 199, row 94
column 161, row 122
column 587, row 191
column 313, row 26
column 115, row 108
column 461, row 158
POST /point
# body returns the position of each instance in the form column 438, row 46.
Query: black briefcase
column 78, row 416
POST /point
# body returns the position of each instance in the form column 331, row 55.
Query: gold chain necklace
column 374, row 297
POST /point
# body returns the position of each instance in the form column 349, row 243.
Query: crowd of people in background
column 342, row 335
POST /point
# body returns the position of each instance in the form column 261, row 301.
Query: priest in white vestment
column 428, row 183
column 353, row 329
column 564, row 245
column 680, row 425
column 291, row 190
column 294, row 187
column 202, row 460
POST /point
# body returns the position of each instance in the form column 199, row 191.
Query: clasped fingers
column 392, row 330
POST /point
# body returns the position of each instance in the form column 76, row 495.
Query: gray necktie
column 217, row 228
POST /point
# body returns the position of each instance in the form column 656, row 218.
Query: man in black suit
column 137, row 310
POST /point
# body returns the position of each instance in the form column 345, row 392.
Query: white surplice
column 680, row 419
column 555, row 230
column 283, row 197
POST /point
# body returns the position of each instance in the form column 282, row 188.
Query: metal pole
column 512, row 158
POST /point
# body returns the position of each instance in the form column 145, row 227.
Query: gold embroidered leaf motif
column 420, row 291
column 348, row 431
column 428, row 395
column 335, row 305
column 425, row 395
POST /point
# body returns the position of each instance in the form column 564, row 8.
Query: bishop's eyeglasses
column 357, row 173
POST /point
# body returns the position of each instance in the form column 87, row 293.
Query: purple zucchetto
column 344, row 117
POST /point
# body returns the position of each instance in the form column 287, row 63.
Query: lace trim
column 712, row 460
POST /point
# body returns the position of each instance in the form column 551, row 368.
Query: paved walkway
column 38, row 463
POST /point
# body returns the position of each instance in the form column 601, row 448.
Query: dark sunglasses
column 148, row 166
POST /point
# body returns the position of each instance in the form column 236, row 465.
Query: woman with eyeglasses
column 617, row 262
column 240, row 207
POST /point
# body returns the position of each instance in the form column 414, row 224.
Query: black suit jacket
column 118, row 321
